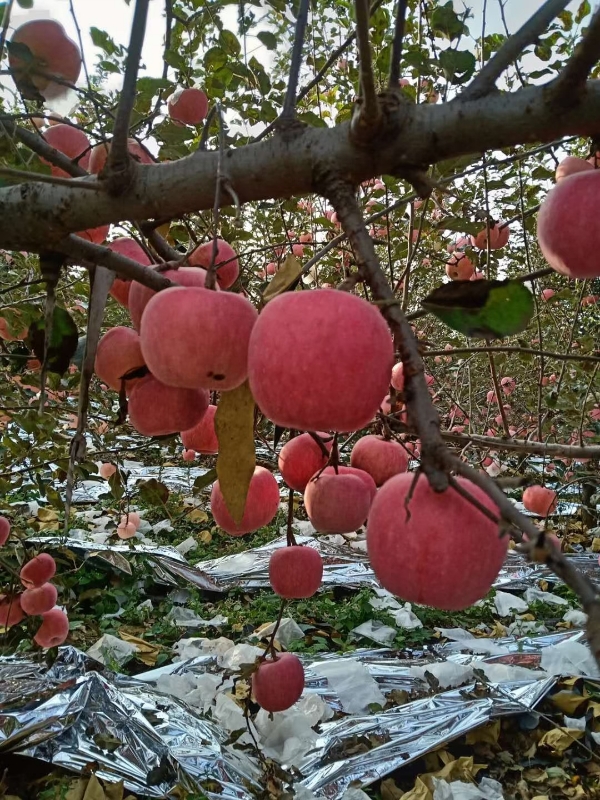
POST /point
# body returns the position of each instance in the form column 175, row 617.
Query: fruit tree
column 364, row 232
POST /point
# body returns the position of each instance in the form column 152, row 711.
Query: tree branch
column 397, row 44
column 119, row 169
column 275, row 168
column 510, row 349
column 553, row 558
column 421, row 411
column 367, row 118
column 512, row 48
column 520, row 445
column 571, row 80
column 39, row 145
column 289, row 105
column 82, row 250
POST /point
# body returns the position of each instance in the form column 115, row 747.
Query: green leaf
column 482, row 309
column 102, row 40
column 582, row 12
column 268, row 39
column 203, row 481
column 153, row 492
column 445, row 21
column 63, row 340
column 234, row 425
column 24, row 3
column 458, row 65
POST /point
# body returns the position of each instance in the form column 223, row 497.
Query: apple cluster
column 38, row 599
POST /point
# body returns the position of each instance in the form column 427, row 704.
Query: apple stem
column 291, row 539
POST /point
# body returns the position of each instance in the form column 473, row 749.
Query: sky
column 114, row 16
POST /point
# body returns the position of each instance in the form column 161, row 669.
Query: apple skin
column 278, row 683
column 540, row 500
column 380, row 457
column 567, row 226
column 446, row 553
column 54, row 629
column 38, row 571
column 300, row 458
column 337, row 503
column 295, row 572
column 4, row 530
column 35, row 602
column 262, row 504
column 331, row 341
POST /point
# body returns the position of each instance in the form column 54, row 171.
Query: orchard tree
column 364, row 237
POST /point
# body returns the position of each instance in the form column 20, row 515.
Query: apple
column 4, row 530
column 38, row 571
column 278, row 682
column 567, row 229
column 39, row 600
column 301, row 457
column 380, row 457
column 54, row 629
column 262, row 504
column 571, row 165
column 308, row 347
column 539, row 500
column 188, row 106
column 337, row 502
column 440, row 550
column 295, row 571
column 202, row 438
column 195, row 338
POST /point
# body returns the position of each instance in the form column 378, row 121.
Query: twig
column 37, row 143
column 421, row 411
column 79, row 249
column 211, row 275
column 120, row 166
column 289, row 105
column 569, row 85
column 367, row 117
column 508, row 349
column 5, row 23
column 397, row 44
column 23, row 175
column 518, row 445
column 512, row 48
column 498, row 393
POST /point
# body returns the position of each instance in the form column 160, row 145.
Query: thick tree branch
column 513, row 47
column 572, row 79
column 119, row 169
column 421, row 411
column 81, row 250
column 35, row 215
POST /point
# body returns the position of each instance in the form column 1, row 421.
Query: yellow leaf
column 390, row 791
column 560, row 739
column 197, row 515
column 148, row 653
column 242, row 690
column 47, row 515
column 568, row 702
column 487, row 734
column 282, row 280
column 205, row 537
column 596, row 544
column 234, row 425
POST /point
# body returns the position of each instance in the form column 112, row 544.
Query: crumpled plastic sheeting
column 347, row 567
column 342, row 566
column 73, row 715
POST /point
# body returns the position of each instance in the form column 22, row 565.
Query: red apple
column 278, row 682
column 540, row 500
column 300, row 458
column 380, row 457
column 37, row 601
column 295, row 572
column 38, row 571
column 337, row 502
column 54, row 629
column 441, row 551
column 262, row 504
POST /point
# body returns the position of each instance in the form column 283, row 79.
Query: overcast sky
column 114, row 16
